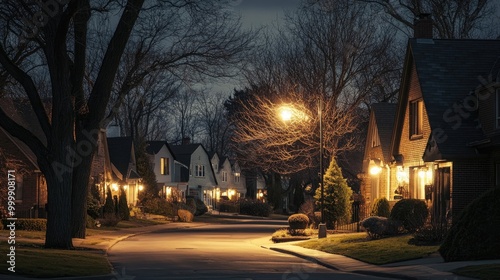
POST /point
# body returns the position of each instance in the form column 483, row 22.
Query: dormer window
column 416, row 118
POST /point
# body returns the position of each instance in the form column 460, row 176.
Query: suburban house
column 231, row 181
column 378, row 176
column 123, row 168
column 167, row 170
column 31, row 187
column 445, row 143
column 199, row 178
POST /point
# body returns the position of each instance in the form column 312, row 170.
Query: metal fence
column 358, row 214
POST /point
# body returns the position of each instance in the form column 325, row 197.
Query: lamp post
column 286, row 114
column 322, row 225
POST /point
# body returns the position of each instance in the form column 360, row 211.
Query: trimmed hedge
column 297, row 223
column 412, row 213
column 474, row 235
column 27, row 224
column 377, row 227
column 381, row 208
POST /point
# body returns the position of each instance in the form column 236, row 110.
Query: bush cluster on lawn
column 407, row 215
column 185, row 215
column 229, row 206
column 412, row 213
column 159, row 206
column 297, row 223
column 196, row 206
column 254, row 207
column 474, row 234
column 381, row 208
column 377, row 227
column 28, row 224
column 431, row 234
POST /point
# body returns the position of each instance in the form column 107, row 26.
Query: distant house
column 167, row 170
column 123, row 168
column 231, row 182
column 199, row 178
column 378, row 179
column 445, row 144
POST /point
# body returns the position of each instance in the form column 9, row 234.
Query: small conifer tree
column 337, row 196
column 123, row 210
column 109, row 206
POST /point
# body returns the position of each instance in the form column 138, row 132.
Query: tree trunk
column 59, row 181
column 81, row 175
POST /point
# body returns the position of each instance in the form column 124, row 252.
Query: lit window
column 164, row 166
column 236, row 177
column 416, row 118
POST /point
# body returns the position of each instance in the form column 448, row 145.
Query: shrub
column 123, row 210
column 412, row 213
column 90, row 222
column 297, row 223
column 432, row 234
column 159, row 206
column 381, row 208
column 196, row 206
column 109, row 205
column 474, row 234
column 254, row 208
column 229, row 206
column 109, row 220
column 375, row 226
column 185, row 215
column 28, row 224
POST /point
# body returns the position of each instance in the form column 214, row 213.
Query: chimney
column 186, row 141
column 422, row 26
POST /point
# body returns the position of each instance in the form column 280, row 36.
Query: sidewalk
column 432, row 267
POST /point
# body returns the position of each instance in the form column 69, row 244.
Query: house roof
column 120, row 153
column 384, row 114
column 448, row 71
column 183, row 152
column 153, row 147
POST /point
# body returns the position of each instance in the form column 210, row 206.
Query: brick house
column 31, row 187
column 446, row 135
column 378, row 174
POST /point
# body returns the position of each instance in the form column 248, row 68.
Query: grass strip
column 36, row 261
column 381, row 251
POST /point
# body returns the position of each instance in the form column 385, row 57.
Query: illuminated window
column 416, row 118
column 236, row 177
column 164, row 166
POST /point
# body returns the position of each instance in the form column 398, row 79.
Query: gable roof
column 384, row 114
column 153, row 147
column 120, row 153
column 448, row 71
column 183, row 152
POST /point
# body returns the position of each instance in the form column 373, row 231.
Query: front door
column 441, row 195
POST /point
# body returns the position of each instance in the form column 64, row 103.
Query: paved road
column 216, row 251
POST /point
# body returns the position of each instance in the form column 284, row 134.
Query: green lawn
column 33, row 260
column 381, row 251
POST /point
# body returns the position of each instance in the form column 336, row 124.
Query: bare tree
column 336, row 57
column 213, row 122
column 452, row 19
column 58, row 40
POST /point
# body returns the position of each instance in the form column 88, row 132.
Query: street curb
column 329, row 266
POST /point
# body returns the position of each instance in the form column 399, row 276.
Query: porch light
column 375, row 170
column 125, row 187
column 141, row 187
column 114, row 186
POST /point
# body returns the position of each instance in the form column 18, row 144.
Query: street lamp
column 287, row 113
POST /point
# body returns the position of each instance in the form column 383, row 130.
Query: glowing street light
column 288, row 113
